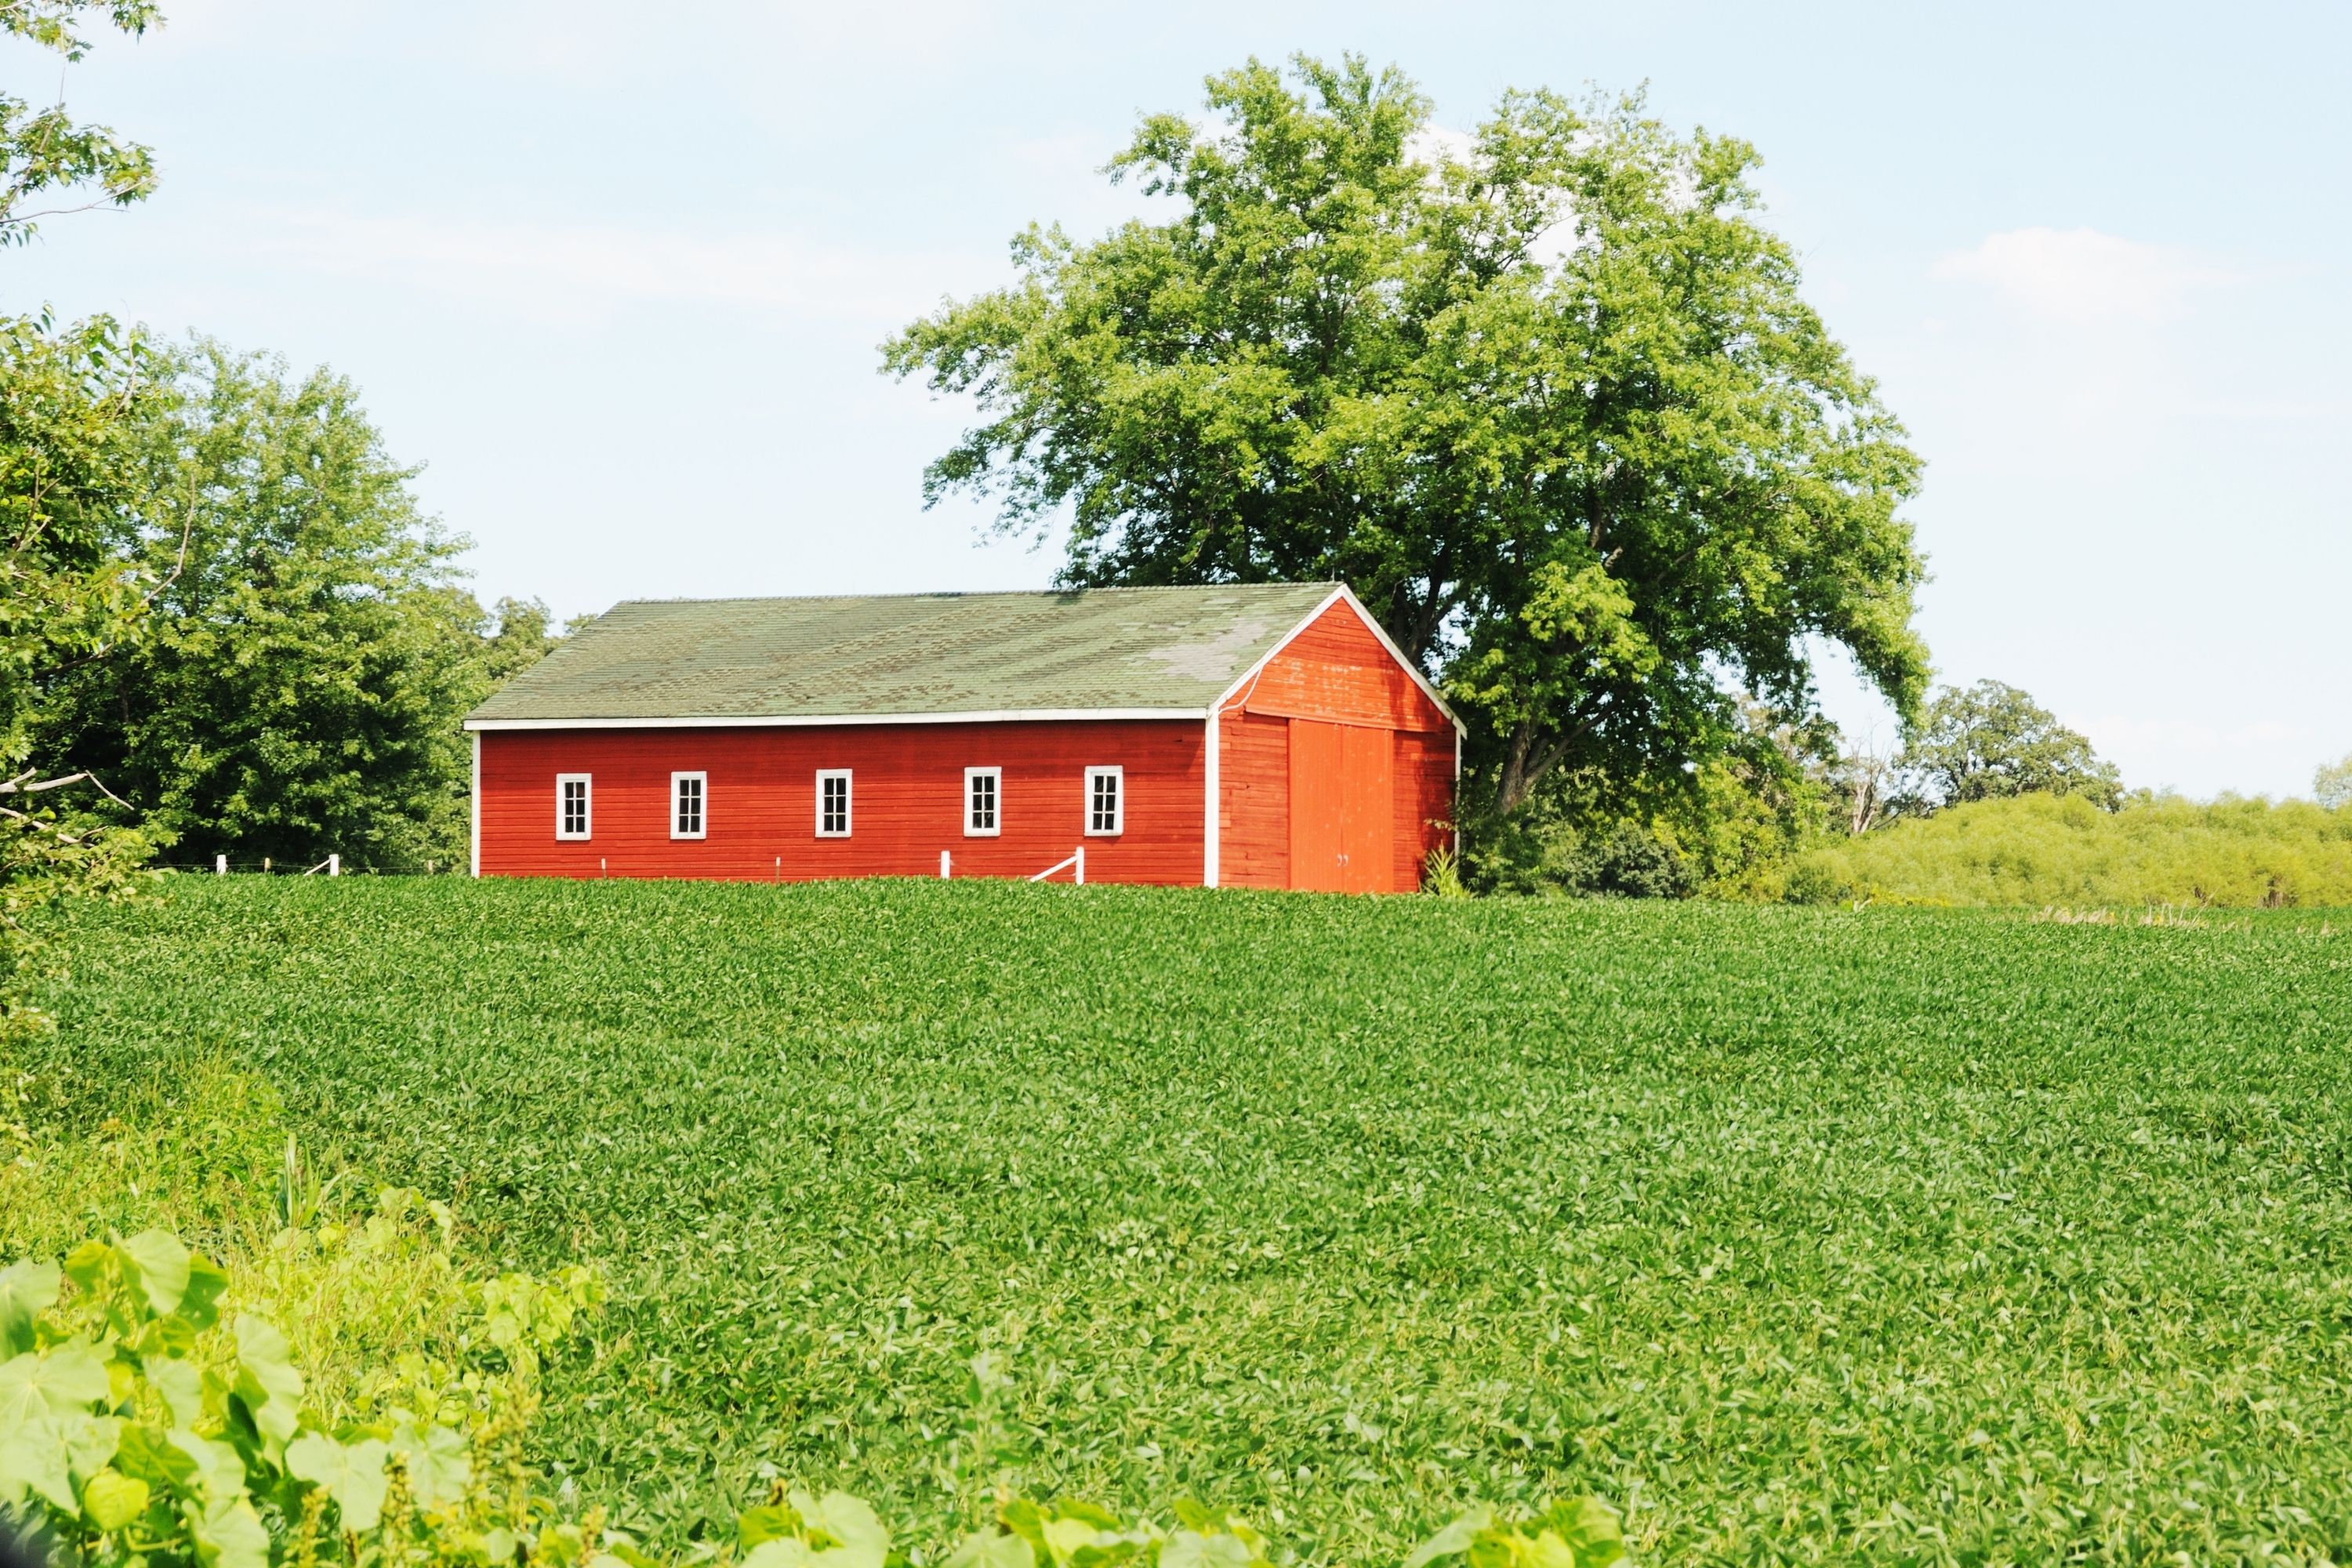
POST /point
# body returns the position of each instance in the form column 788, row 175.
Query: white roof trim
column 1344, row 594
column 739, row 722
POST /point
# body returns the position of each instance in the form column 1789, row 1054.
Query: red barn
column 1262, row 736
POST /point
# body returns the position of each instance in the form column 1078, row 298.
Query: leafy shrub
column 138, row 1427
column 2034, row 850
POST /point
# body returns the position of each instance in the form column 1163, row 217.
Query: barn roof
column 1140, row 651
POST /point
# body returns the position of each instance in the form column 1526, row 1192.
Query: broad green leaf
column 437, row 1462
column 88, row 1264
column 32, row 1459
column 267, row 1380
column 351, row 1473
column 181, row 1384
column 206, row 1280
column 1065, row 1537
column 229, row 1535
column 1190, row 1549
column 754, row 1525
column 1592, row 1531
column 1454, row 1540
column 851, row 1523
column 66, row 1377
column 110, row 1500
column 782, row 1552
column 991, row 1549
column 91, row 1441
column 218, row 1472
column 28, row 1288
column 159, row 1265
column 145, row 1452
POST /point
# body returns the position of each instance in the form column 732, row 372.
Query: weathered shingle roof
column 911, row 653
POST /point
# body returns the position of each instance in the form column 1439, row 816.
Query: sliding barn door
column 1341, row 808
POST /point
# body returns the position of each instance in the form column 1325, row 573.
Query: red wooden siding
column 1338, row 670
column 907, row 801
column 1253, row 805
column 1337, row 770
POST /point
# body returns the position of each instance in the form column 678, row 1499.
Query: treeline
column 306, row 647
column 1989, row 800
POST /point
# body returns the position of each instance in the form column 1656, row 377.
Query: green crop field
column 1803, row 1236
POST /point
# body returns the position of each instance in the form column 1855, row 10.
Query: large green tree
column 50, row 162
column 1552, row 402
column 309, row 648
column 1990, row 741
column 70, row 399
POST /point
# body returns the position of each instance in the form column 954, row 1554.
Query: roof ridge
column 977, row 592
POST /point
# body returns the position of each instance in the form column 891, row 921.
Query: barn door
column 1318, row 785
column 1340, row 810
column 1366, row 811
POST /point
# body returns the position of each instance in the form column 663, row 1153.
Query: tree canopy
column 309, row 650
column 1990, row 740
column 1550, row 401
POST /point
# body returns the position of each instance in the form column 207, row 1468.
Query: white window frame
column 848, row 802
column 702, row 805
column 996, row 794
column 587, row 782
column 1118, row 776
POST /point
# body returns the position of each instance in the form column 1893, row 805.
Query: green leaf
column 991, row 1549
column 851, row 1523
column 28, row 1289
column 352, row 1474
column 181, row 1384
column 1591, row 1530
column 145, row 1452
column 110, row 1500
column 91, row 1441
column 437, row 1462
column 755, row 1525
column 67, row 1377
column 781, row 1552
column 158, row 1263
column 1454, row 1540
column 32, row 1459
column 267, row 1380
column 217, row 1470
column 229, row 1535
column 206, row 1280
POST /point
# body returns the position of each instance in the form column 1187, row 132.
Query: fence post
column 944, row 863
column 334, row 865
column 220, row 865
column 1082, row 864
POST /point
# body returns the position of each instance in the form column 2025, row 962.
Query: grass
column 1804, row 1235
column 2042, row 849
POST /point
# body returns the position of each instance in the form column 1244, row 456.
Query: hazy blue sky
column 616, row 273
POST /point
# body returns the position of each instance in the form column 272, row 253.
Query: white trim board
column 739, row 722
column 1342, row 594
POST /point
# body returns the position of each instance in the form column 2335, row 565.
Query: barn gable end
column 1278, row 747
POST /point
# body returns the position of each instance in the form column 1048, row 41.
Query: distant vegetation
column 1336, row 1212
column 2042, row 849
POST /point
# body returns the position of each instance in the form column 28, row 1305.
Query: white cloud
column 566, row 272
column 2080, row 275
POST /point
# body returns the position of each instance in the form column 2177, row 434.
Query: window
column 982, row 789
column 832, row 803
column 572, row 806
column 1105, row 802
column 686, row 792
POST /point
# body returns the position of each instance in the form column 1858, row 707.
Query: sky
column 616, row 275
